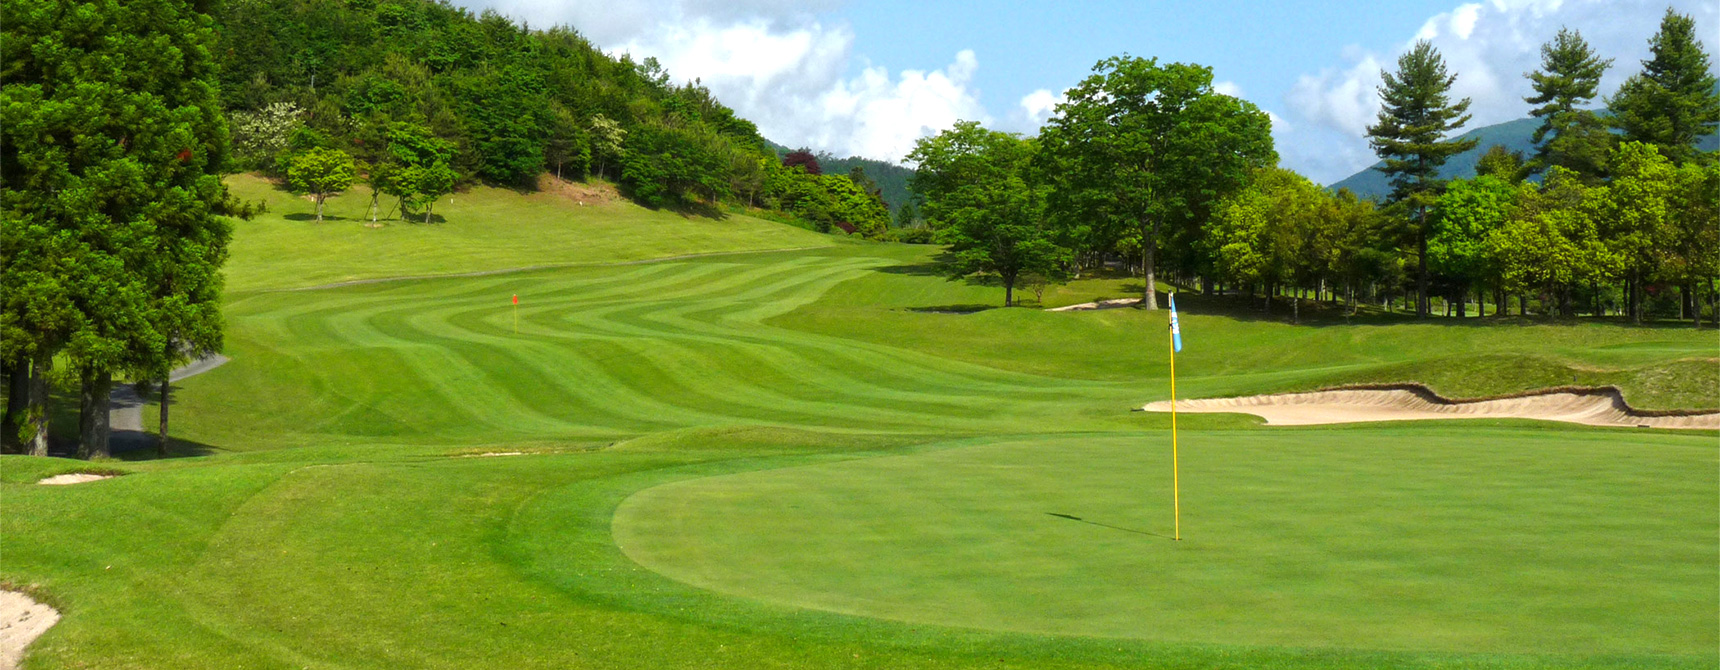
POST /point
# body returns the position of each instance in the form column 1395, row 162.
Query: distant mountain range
column 1513, row 135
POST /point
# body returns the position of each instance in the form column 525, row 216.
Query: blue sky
column 869, row 78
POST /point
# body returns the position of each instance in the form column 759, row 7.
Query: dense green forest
column 423, row 95
column 891, row 179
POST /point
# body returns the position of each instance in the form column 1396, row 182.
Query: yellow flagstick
column 1176, row 475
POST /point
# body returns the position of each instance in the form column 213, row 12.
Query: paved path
column 125, row 407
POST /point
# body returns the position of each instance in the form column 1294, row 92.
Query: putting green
column 1504, row 541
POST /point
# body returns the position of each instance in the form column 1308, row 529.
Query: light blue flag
column 1176, row 332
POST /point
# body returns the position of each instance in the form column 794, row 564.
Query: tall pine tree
column 1673, row 100
column 1409, row 136
column 1569, row 136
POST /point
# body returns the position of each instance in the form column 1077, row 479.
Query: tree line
column 1146, row 163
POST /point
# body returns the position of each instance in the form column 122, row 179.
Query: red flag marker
column 516, row 313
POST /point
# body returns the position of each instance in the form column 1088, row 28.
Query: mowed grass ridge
column 607, row 352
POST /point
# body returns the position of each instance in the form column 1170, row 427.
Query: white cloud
column 777, row 65
column 1278, row 122
column 1040, row 105
column 1229, row 88
column 1488, row 45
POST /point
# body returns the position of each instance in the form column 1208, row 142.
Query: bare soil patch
column 580, row 194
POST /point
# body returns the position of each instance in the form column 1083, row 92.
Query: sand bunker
column 1590, row 406
column 1102, row 304
column 22, row 620
column 73, row 478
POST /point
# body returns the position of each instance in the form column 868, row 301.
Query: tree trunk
column 320, row 198
column 1635, row 298
column 1295, row 309
column 1523, row 304
column 37, row 413
column 17, row 405
column 1149, row 297
column 1421, row 265
column 1008, row 291
column 374, row 206
column 93, row 414
column 161, row 432
column 1695, row 306
column 1463, row 303
column 1480, row 302
column 427, row 207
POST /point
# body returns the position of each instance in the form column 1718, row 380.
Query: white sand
column 73, row 478
column 22, row 620
column 1102, row 304
column 1602, row 407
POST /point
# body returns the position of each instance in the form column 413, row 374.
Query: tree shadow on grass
column 914, row 270
column 312, row 217
column 125, row 445
column 131, row 445
column 953, row 309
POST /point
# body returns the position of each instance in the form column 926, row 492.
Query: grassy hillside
column 481, row 229
column 832, row 457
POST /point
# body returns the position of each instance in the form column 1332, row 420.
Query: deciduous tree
column 1142, row 147
column 974, row 185
column 321, row 173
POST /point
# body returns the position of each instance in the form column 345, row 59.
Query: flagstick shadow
column 1106, row 525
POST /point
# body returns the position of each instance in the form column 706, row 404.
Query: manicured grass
column 477, row 230
column 830, row 471
column 1412, row 539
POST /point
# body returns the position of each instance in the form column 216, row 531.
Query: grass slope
column 481, row 229
column 344, row 518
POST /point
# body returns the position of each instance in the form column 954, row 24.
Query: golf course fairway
column 805, row 451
